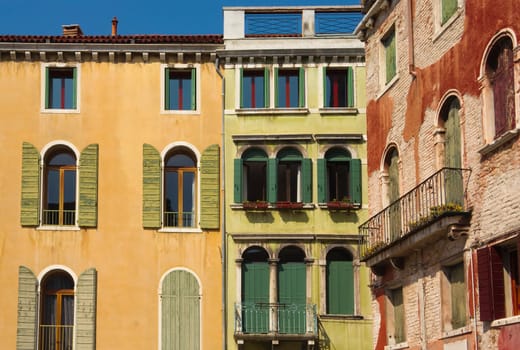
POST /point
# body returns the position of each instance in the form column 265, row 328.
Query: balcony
column 59, row 217
column 258, row 321
column 56, row 337
column 434, row 208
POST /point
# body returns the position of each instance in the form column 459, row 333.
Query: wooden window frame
column 340, row 74
column 280, row 85
column 179, row 74
column 62, row 73
column 262, row 73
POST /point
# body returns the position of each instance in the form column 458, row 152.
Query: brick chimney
column 114, row 26
column 71, row 30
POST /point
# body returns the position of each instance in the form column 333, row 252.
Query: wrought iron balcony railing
column 268, row 318
column 59, row 217
column 442, row 194
column 56, row 337
column 174, row 219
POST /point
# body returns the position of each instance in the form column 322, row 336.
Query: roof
column 116, row 39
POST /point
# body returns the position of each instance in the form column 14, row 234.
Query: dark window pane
column 61, row 88
column 288, row 181
column 336, row 89
column 171, row 191
column 337, row 173
column 69, row 190
column 180, row 160
column 180, row 88
column 288, row 88
column 53, row 189
column 255, row 173
column 62, row 159
column 253, row 89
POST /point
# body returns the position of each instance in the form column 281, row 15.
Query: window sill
column 179, row 230
column 57, row 228
column 341, row 317
column 180, row 112
column 456, row 332
column 402, row 345
column 505, row 321
column 59, row 111
column 353, row 206
column 240, row 206
column 388, row 86
column 272, row 111
column 443, row 27
column 500, row 141
column 341, row 111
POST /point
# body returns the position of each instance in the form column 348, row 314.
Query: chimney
column 114, row 26
column 71, row 30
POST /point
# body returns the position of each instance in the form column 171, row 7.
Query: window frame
column 329, row 290
column 262, row 72
column 390, row 63
column 451, row 294
column 350, row 86
column 250, row 155
column 195, row 94
column 300, row 86
column 393, row 318
column 46, row 69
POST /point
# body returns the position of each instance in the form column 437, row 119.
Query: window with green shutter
column 180, row 311
column 254, row 88
column 390, row 55
column 250, row 176
column 448, row 9
column 27, row 309
column 210, row 188
column 60, row 87
column 30, row 205
column 180, row 89
column 86, row 296
column 88, row 186
column 396, row 326
column 293, row 176
column 151, row 187
column 338, row 87
column 255, row 291
column 289, row 87
column 340, row 282
column 292, row 291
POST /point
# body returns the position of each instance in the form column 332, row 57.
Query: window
column 339, row 177
column 180, row 311
column 180, row 89
column 50, row 320
column 59, row 193
column 391, row 187
column 251, row 176
column 254, row 88
column 454, row 297
column 448, row 8
column 339, row 283
column 60, row 88
column 500, row 73
column 289, row 87
column 338, row 87
column 292, row 291
column 389, row 56
column 180, row 178
column 293, row 178
column 499, row 281
column 59, row 190
column 170, row 195
column 255, row 290
column 395, row 317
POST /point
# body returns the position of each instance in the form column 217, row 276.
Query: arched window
column 391, row 186
column 340, row 282
column 339, row 177
column 57, row 311
column 292, row 290
column 59, row 194
column 180, row 179
column 251, row 176
column 500, row 75
column 255, row 291
column 293, row 176
column 180, row 311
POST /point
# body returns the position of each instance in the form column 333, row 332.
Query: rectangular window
column 454, row 297
column 339, row 87
column 254, row 88
column 255, row 180
column 396, row 319
column 289, row 181
column 448, row 9
column 60, row 88
column 289, row 87
column 180, row 89
column 390, row 55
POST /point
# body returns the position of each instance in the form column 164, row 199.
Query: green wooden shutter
column 306, row 180
column 355, row 181
column 452, row 158
column 292, row 291
column 88, row 186
column 209, row 188
column 180, row 312
column 86, row 301
column 350, row 87
column 238, row 180
column 166, row 89
column 27, row 310
column 241, row 87
column 193, row 89
column 397, row 302
column 266, row 87
column 30, row 206
column 448, row 9
column 389, row 43
column 74, row 88
column 47, row 87
column 340, row 291
column 325, row 91
column 276, row 89
column 151, row 187
column 322, row 180
column 301, row 87
column 458, row 295
column 255, row 295
column 272, row 183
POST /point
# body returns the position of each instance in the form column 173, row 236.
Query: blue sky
column 45, row 17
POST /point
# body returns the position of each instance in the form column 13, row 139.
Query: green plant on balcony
column 289, row 205
column 344, row 204
column 255, row 205
column 374, row 247
column 435, row 212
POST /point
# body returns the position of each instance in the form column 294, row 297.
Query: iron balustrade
column 59, row 217
column 171, row 219
column 440, row 195
column 274, row 318
column 56, row 337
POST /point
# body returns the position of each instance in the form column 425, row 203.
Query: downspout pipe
column 411, row 43
column 223, row 211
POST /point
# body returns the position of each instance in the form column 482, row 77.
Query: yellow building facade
column 111, row 191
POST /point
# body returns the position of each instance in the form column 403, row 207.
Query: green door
column 340, row 292
column 255, row 297
column 291, row 297
column 454, row 188
column 394, row 210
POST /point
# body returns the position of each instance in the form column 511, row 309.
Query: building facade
column 443, row 111
column 111, row 231
column 295, row 160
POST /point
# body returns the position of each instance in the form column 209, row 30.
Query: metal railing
column 441, row 194
column 56, row 337
column 264, row 318
column 171, row 219
column 59, row 217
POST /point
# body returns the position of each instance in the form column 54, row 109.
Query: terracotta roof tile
column 116, row 39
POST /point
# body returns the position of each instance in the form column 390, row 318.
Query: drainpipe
column 475, row 330
column 409, row 26
column 223, row 213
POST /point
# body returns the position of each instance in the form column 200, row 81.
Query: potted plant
column 289, row 205
column 262, row 205
column 344, row 204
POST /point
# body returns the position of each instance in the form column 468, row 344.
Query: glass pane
column 49, row 309
column 255, row 184
column 336, row 88
column 288, row 88
column 61, row 88
column 69, row 190
column 67, row 310
column 62, row 159
column 338, row 181
column 53, row 189
column 288, row 181
column 253, row 89
column 180, row 90
column 180, row 161
column 188, row 199
column 171, row 191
